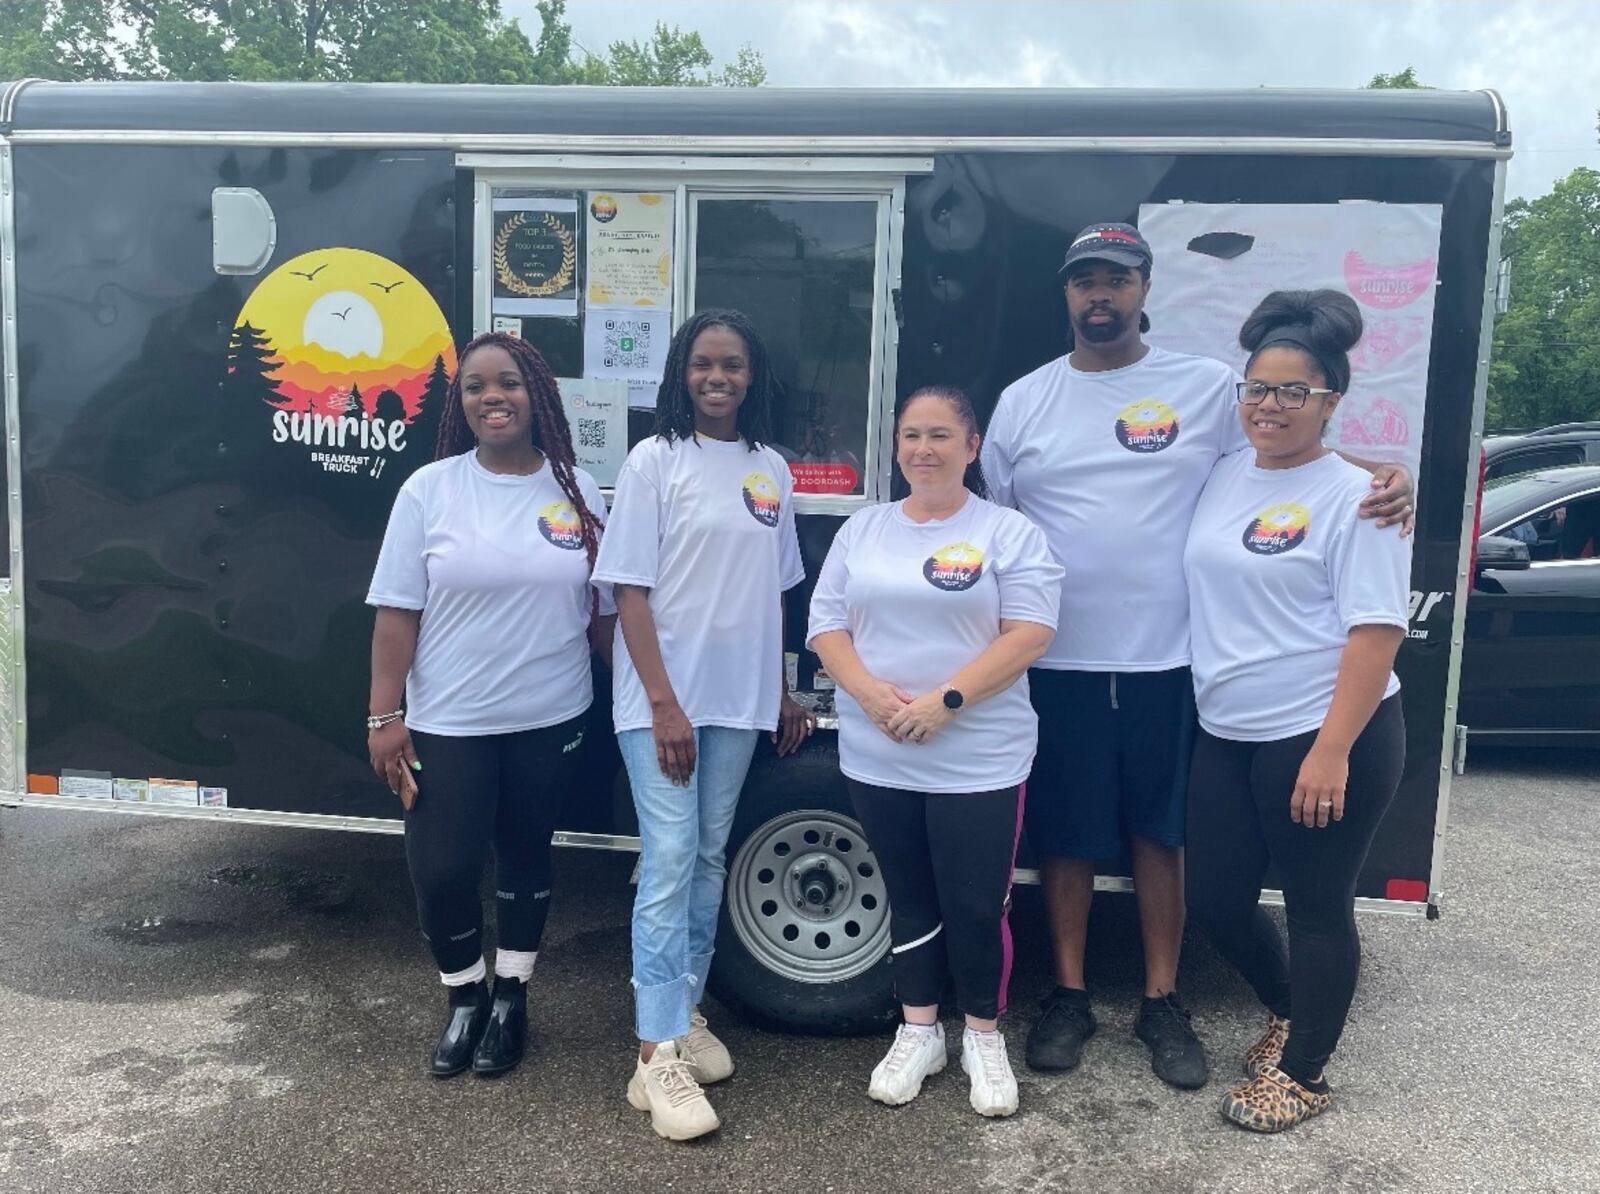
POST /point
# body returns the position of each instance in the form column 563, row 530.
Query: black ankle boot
column 469, row 1012
column 501, row 1046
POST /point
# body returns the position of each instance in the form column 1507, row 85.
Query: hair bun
column 1331, row 319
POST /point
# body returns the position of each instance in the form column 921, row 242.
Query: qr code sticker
column 627, row 345
column 591, row 433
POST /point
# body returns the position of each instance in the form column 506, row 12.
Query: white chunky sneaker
column 913, row 1056
column 994, row 1086
column 665, row 1088
column 708, row 1058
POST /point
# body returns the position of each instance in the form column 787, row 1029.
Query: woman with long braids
column 1297, row 609
column 484, row 609
column 927, row 612
column 699, row 548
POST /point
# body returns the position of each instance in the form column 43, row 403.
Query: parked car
column 1549, row 447
column 1530, row 670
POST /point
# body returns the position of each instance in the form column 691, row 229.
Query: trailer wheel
column 803, row 941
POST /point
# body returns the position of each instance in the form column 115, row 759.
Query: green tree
column 671, row 58
column 1405, row 80
column 58, row 39
column 1546, row 359
column 386, row 41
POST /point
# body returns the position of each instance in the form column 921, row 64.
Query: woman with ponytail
column 927, row 613
column 1297, row 607
column 484, row 611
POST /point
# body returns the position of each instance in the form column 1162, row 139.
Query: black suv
column 1550, row 447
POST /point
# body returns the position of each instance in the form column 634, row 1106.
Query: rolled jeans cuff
column 661, row 1012
column 699, row 968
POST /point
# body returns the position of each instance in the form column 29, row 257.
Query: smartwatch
column 953, row 699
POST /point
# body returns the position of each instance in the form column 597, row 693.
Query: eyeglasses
column 1290, row 397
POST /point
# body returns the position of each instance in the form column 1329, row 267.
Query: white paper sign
column 597, row 409
column 629, row 249
column 625, row 342
column 1215, row 262
column 534, row 256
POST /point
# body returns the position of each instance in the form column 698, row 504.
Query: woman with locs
column 927, row 614
column 700, row 548
column 484, row 610
column 1297, row 608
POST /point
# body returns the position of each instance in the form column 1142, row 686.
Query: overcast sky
column 1543, row 56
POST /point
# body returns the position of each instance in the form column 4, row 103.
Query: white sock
column 514, row 963
column 922, row 1029
column 474, row 973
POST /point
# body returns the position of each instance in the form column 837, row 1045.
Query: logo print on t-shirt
column 558, row 523
column 1277, row 529
column 761, row 498
column 955, row 567
column 1147, row 426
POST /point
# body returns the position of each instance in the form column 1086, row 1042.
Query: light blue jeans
column 683, row 834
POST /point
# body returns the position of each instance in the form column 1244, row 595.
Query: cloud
column 1539, row 54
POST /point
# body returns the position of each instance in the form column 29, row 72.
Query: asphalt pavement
column 217, row 1008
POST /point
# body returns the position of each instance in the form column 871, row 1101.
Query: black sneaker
column 1055, row 1042
column 1176, row 1054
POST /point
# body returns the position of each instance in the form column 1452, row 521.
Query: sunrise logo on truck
column 558, row 523
column 955, row 567
column 1278, row 529
column 1147, row 426
column 761, row 498
column 347, row 349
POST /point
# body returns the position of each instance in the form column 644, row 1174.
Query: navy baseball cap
column 1120, row 244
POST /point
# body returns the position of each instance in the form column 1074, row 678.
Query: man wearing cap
column 1107, row 449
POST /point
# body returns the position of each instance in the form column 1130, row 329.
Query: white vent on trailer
column 244, row 231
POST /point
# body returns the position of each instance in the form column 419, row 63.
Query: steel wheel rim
column 774, row 883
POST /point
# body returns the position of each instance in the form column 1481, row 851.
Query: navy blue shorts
column 1113, row 760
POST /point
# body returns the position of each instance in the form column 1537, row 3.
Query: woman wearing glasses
column 1297, row 609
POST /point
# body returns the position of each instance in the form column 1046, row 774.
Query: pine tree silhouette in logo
column 251, row 364
column 438, row 386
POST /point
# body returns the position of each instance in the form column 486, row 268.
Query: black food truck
column 231, row 310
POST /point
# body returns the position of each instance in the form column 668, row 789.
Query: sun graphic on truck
column 955, row 567
column 1146, row 426
column 761, row 498
column 1278, row 529
column 347, row 349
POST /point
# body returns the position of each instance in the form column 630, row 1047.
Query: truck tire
column 803, row 938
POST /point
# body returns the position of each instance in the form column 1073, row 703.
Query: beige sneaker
column 708, row 1058
column 667, row 1090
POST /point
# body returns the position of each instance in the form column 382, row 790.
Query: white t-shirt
column 497, row 567
column 921, row 601
column 1109, row 465
column 708, row 527
column 1280, row 567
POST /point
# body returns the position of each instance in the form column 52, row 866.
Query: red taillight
column 1477, row 521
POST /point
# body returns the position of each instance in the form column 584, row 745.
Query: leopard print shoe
column 1269, row 1049
column 1272, row 1101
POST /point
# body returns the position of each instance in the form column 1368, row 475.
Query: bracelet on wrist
column 379, row 720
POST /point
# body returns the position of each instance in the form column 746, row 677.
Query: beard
column 1100, row 333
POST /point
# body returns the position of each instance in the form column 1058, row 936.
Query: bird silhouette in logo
column 312, row 276
column 346, row 311
column 386, row 287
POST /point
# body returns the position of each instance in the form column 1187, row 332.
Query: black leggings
column 1238, row 824
column 497, row 790
column 946, row 860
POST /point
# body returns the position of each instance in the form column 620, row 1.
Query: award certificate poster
column 535, row 257
column 1215, row 262
column 629, row 245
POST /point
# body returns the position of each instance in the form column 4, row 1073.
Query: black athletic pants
column 499, row 791
column 1238, row 824
column 946, row 860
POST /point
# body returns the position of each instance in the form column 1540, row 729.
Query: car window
column 1567, row 532
column 1526, row 460
column 1503, row 497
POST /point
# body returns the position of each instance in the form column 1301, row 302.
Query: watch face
column 952, row 699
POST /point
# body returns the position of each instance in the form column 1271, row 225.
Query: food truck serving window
column 597, row 262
